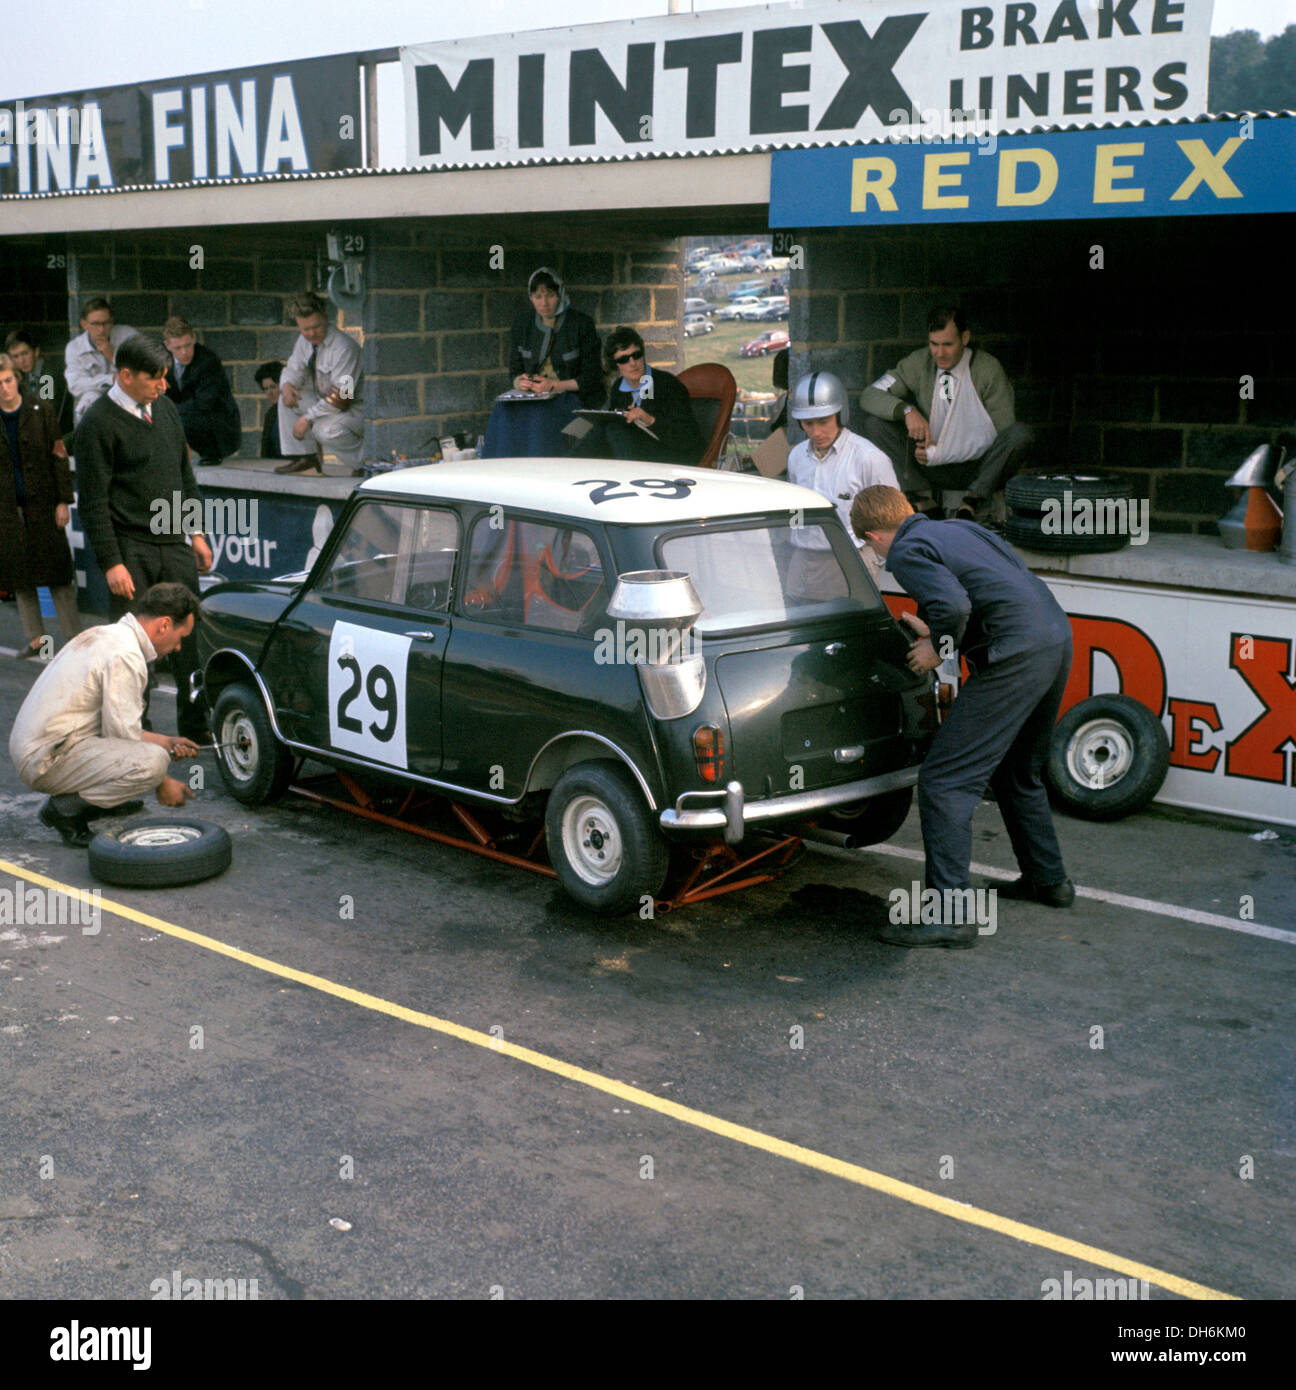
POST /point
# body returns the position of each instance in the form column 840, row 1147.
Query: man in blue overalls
column 975, row 596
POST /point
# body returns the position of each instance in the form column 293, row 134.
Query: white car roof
column 568, row 488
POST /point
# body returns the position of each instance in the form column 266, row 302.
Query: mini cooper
column 636, row 658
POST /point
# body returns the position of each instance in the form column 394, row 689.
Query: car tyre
column 873, row 821
column 160, row 853
column 1028, row 532
column 1108, row 758
column 605, row 847
column 1028, row 492
column 254, row 765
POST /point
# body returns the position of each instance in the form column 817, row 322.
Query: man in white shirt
column 78, row 736
column 319, row 392
column 88, row 358
column 836, row 463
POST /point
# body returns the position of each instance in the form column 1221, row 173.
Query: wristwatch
column 906, row 410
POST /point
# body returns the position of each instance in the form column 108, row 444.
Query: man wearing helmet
column 944, row 416
column 836, row 463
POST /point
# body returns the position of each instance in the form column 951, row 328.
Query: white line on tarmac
column 1184, row 914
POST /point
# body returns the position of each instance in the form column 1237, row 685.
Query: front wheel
column 254, row 765
column 604, row 845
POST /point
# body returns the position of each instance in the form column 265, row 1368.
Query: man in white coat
column 319, row 393
column 78, row 736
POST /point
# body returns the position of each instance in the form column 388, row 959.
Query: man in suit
column 42, row 378
column 976, row 597
column 945, row 417
column 197, row 384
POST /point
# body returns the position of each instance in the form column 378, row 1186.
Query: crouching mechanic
column 836, row 463
column 974, row 594
column 78, row 735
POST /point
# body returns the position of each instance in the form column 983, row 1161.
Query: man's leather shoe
column 302, row 463
column 75, row 829
column 956, row 938
column 1050, row 894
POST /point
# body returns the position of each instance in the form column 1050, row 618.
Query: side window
column 535, row 574
column 392, row 553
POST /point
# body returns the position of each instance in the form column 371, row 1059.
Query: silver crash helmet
column 818, row 394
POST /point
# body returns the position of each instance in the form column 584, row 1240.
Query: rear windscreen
column 756, row 576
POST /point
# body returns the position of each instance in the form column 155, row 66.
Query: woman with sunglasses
column 659, row 426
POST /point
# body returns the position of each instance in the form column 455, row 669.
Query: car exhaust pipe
column 836, row 838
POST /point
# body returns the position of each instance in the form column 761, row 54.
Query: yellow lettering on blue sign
column 1208, row 168
column 1046, row 177
column 872, row 178
column 1107, row 171
column 935, row 178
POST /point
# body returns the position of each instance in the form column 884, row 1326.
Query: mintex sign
column 1143, row 171
column 799, row 74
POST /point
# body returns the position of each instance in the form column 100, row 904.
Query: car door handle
column 426, row 636
column 849, row 755
column 834, row 647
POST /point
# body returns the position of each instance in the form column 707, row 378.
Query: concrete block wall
column 1138, row 367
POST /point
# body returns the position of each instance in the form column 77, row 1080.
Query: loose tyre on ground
column 1108, row 757
column 603, row 841
column 254, row 765
column 160, row 853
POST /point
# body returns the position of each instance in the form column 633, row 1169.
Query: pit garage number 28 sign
column 366, row 693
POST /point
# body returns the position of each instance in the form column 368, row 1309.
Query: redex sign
column 284, row 118
column 798, row 74
column 1152, row 171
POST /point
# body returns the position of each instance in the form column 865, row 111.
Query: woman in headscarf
column 555, row 347
column 35, row 490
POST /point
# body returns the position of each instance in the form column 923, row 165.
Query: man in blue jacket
column 976, row 597
column 197, row 384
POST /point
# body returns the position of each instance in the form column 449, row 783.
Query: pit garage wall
column 1135, row 368
column 435, row 325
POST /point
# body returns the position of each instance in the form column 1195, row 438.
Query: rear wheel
column 603, row 843
column 873, row 821
column 254, row 765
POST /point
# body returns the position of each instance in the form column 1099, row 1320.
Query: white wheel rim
column 155, row 835
column 1100, row 753
column 592, row 840
column 240, row 752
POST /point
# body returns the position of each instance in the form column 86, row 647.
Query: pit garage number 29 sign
column 366, row 693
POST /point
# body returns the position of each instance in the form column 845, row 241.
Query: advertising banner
column 813, row 73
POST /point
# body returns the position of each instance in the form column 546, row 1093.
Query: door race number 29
column 366, row 692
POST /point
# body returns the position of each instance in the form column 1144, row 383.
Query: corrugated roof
column 390, row 171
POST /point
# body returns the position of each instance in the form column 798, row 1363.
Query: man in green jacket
column 944, row 416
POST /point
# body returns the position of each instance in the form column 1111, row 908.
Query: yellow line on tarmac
column 699, row 1119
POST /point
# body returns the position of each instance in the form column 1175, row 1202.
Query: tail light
column 708, row 752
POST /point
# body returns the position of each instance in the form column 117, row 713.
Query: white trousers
column 341, row 435
column 102, row 771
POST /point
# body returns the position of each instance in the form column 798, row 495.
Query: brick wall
column 1133, row 368
column 434, row 327
column 32, row 293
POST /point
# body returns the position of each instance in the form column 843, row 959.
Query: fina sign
column 286, row 118
column 800, row 74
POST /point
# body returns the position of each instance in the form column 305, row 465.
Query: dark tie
column 310, row 367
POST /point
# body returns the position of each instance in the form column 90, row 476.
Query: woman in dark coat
column 651, row 397
column 35, row 495
column 555, row 347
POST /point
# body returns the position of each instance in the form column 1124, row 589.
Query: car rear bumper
column 730, row 811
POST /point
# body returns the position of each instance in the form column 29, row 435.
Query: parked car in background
column 772, row 341
column 453, row 640
column 734, row 309
column 750, row 311
column 776, row 263
column 774, row 307
column 745, row 287
column 698, row 306
column 696, row 324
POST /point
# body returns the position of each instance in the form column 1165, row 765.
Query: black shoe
column 1050, row 894
column 299, row 463
column 956, row 938
column 75, row 830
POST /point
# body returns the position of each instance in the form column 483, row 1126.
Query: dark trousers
column 981, row 477
column 997, row 732
column 150, row 563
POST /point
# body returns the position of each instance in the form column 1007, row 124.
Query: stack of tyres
column 1046, row 510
